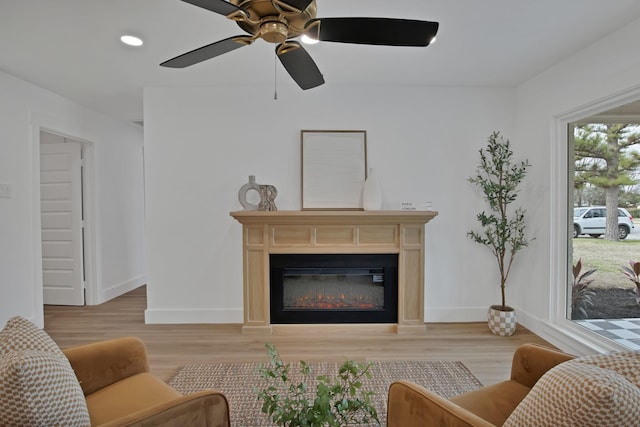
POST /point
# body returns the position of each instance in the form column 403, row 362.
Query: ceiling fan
column 280, row 21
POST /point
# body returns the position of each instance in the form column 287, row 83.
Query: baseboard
column 176, row 316
column 112, row 292
column 455, row 314
column 567, row 335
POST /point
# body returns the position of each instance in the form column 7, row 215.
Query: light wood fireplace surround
column 333, row 232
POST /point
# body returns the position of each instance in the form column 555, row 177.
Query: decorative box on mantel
column 265, row 233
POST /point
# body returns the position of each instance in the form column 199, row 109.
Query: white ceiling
column 72, row 47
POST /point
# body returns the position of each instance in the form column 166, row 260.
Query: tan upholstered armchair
column 412, row 405
column 106, row 383
column 120, row 391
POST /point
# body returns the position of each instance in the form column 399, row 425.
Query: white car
column 592, row 220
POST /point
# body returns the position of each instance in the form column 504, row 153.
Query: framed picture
column 334, row 168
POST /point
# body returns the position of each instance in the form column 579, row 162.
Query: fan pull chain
column 275, row 76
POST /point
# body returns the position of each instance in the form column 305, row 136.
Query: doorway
column 64, row 242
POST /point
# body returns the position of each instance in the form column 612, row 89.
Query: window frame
column 562, row 216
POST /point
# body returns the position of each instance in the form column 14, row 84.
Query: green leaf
column 338, row 401
column 498, row 177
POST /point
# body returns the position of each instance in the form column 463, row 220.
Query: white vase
column 502, row 323
column 372, row 193
column 242, row 193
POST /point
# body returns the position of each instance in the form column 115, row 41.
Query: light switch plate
column 5, row 190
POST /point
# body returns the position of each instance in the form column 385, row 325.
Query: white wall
column 119, row 194
column 595, row 79
column 202, row 143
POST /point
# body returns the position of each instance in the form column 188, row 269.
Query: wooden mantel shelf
column 333, row 231
column 334, row 217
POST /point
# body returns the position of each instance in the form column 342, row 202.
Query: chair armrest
column 412, row 405
column 531, row 361
column 100, row 364
column 207, row 408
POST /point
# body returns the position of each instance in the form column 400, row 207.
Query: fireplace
column 333, row 288
column 399, row 234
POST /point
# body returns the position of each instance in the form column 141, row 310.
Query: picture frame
column 334, row 169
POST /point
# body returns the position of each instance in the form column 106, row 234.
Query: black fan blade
column 376, row 31
column 207, row 52
column 299, row 65
column 295, row 4
column 218, row 6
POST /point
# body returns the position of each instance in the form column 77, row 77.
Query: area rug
column 237, row 382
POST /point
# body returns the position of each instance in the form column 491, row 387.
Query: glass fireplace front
column 334, row 288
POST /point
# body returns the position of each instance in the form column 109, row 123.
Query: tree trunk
column 611, row 232
column 611, row 193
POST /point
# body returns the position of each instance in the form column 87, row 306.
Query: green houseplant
column 338, row 401
column 503, row 231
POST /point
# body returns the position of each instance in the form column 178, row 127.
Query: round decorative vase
column 502, row 322
column 242, row 194
column 372, row 193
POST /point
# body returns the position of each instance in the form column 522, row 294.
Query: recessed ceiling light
column 308, row 40
column 131, row 40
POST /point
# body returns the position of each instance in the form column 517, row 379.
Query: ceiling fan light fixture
column 130, row 40
column 274, row 31
column 282, row 21
column 306, row 39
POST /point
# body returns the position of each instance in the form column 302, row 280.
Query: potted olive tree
column 502, row 229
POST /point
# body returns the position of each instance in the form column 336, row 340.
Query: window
column 601, row 152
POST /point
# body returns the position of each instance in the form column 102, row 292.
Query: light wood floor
column 170, row 346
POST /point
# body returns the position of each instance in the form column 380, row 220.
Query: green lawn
column 608, row 258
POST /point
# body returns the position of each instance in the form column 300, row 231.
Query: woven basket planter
column 502, row 323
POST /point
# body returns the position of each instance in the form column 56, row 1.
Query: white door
column 61, row 215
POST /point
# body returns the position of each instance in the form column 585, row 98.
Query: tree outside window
column 606, row 161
